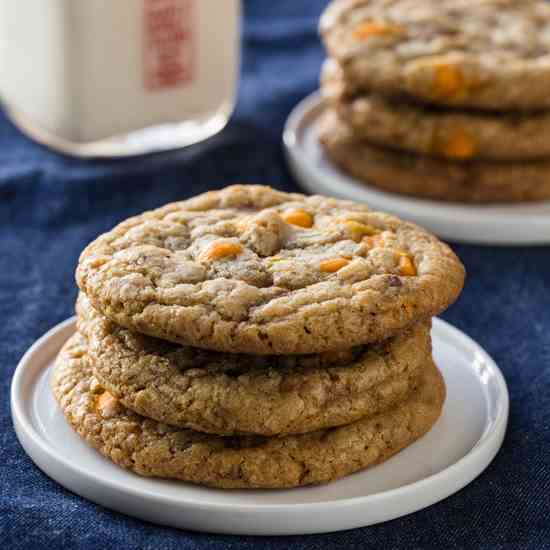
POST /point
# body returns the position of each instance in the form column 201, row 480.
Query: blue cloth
column 51, row 206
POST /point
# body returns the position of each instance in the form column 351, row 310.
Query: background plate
column 496, row 224
column 458, row 448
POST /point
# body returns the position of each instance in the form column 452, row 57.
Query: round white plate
column 497, row 225
column 458, row 448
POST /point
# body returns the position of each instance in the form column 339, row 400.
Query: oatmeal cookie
column 438, row 132
column 150, row 448
column 487, row 54
column 229, row 394
column 475, row 181
column 252, row 270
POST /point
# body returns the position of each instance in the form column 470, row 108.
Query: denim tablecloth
column 51, row 206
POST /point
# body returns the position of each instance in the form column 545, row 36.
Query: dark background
column 51, row 206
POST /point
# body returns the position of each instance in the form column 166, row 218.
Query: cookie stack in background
column 444, row 100
column 249, row 338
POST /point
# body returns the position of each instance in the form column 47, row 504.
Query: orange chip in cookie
column 333, row 265
column 300, row 218
column 218, row 250
column 407, row 267
column 358, row 231
column 460, row 145
column 449, row 80
column 374, row 241
column 370, row 29
column 107, row 404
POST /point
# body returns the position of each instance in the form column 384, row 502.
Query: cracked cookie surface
column 150, row 448
column 488, row 54
column 229, row 394
column 252, row 270
column 474, row 181
column 442, row 133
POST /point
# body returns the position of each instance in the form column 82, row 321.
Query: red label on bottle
column 168, row 43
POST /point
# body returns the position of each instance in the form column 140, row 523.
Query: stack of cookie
column 253, row 338
column 445, row 100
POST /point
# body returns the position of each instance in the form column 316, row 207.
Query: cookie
column 430, row 178
column 150, row 448
column 487, row 54
column 252, row 270
column 230, row 394
column 444, row 133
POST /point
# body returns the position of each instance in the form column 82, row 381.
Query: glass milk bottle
column 119, row 77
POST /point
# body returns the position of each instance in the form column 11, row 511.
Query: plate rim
column 310, row 107
column 488, row 439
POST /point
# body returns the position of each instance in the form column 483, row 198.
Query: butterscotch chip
column 358, row 231
column 406, row 267
column 444, row 133
column 231, row 393
column 220, row 249
column 448, row 79
column 298, row 217
column 271, row 297
column 458, row 145
column 107, row 404
column 370, row 29
column 489, row 54
column 153, row 449
column 333, row 265
column 475, row 181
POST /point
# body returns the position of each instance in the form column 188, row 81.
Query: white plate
column 458, row 448
column 497, row 225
